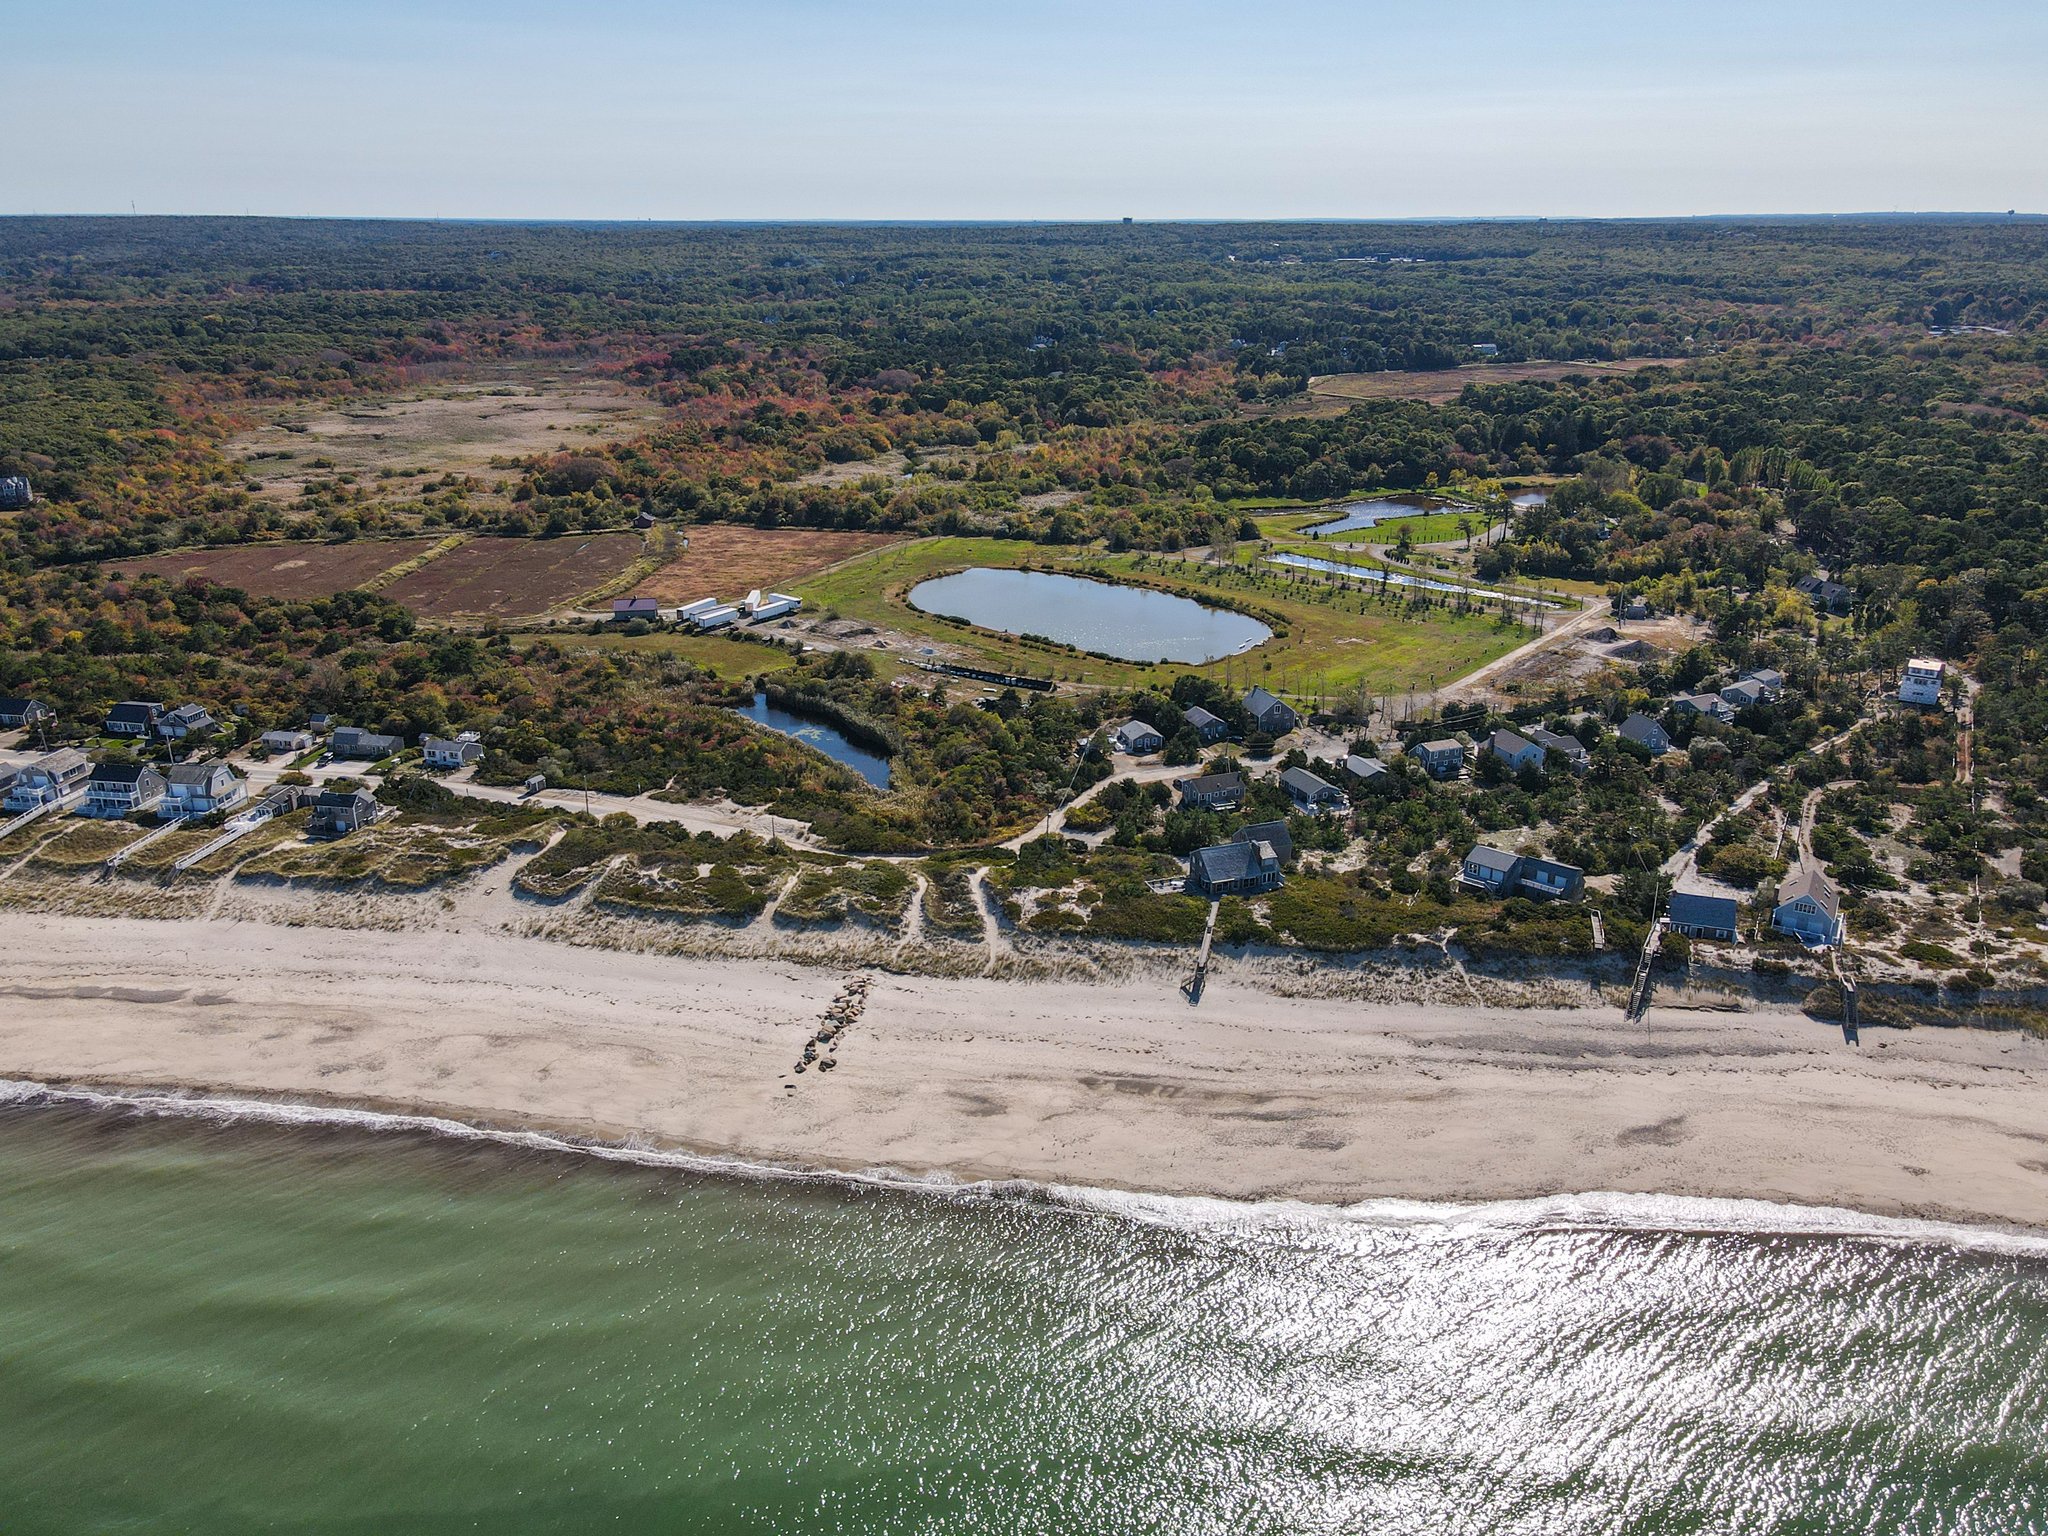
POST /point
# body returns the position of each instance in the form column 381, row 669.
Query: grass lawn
column 1327, row 639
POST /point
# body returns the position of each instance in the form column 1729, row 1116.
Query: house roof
column 1135, row 730
column 1364, row 767
column 1210, row 783
column 446, row 744
column 1703, row 907
column 1810, row 881
column 1258, row 701
column 187, row 714
column 1551, row 741
column 135, row 709
column 344, row 798
column 1641, row 727
column 1201, row 718
column 16, row 706
column 1223, row 862
column 1499, row 860
column 1510, row 742
column 1302, row 782
column 1769, row 677
column 202, row 774
column 119, row 773
column 1273, row 833
column 1433, row 748
column 63, row 760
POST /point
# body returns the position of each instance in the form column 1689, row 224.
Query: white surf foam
column 1596, row 1211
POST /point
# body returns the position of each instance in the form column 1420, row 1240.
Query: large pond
column 828, row 739
column 1354, row 515
column 1402, row 579
column 1131, row 623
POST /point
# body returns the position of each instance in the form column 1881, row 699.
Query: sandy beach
column 1119, row 1084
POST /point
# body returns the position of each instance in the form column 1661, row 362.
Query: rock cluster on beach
column 845, row 1008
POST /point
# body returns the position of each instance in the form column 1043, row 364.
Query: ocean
column 228, row 1320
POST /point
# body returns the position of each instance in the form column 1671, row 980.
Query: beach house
column 1497, row 872
column 440, row 752
column 1703, row 914
column 1137, row 738
column 52, row 777
column 200, row 789
column 1233, row 869
column 1647, row 734
column 15, row 714
column 1271, row 714
column 355, row 743
column 1809, row 908
column 338, row 812
column 1515, row 750
column 122, row 789
column 1211, row 791
column 133, row 717
column 1210, row 728
column 1443, row 759
column 1311, row 792
column 291, row 743
column 1921, row 683
column 1367, row 770
column 1273, row 833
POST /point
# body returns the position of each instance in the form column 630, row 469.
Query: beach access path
column 1116, row 1084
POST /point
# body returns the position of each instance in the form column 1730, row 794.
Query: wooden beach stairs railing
column 1639, row 988
column 1192, row 987
column 277, row 803
column 121, row 857
column 1847, row 983
column 49, row 807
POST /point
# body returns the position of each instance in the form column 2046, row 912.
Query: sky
column 1056, row 109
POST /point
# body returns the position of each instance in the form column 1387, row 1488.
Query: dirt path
column 1588, row 617
column 991, row 931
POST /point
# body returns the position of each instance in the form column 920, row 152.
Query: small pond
column 1131, row 623
column 1532, row 498
column 828, row 739
column 1402, row 579
column 1354, row 515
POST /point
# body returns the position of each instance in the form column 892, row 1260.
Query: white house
column 200, row 789
column 437, row 752
column 1922, row 682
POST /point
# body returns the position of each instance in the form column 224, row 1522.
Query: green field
column 1333, row 640
column 733, row 660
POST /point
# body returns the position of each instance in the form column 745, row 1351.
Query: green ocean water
column 240, row 1327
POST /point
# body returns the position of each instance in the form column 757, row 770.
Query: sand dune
column 1118, row 1084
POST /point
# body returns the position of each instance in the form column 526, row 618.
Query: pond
column 1130, row 623
column 828, row 739
column 1532, row 498
column 1402, row 579
column 1354, row 515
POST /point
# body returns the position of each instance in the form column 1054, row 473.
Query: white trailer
column 715, row 618
column 763, row 606
column 688, row 612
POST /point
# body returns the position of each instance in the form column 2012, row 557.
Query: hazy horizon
column 908, row 111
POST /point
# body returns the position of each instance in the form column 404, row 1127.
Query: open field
column 283, row 569
column 1335, row 639
column 1442, row 385
column 514, row 578
column 463, row 429
column 728, row 658
column 728, row 560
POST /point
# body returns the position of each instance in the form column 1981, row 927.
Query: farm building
column 1312, row 792
column 626, row 609
column 763, row 606
column 1137, row 738
column 51, row 777
column 1703, row 914
column 1273, row 715
column 1233, row 869
column 1211, row 791
column 200, row 789
column 122, row 789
